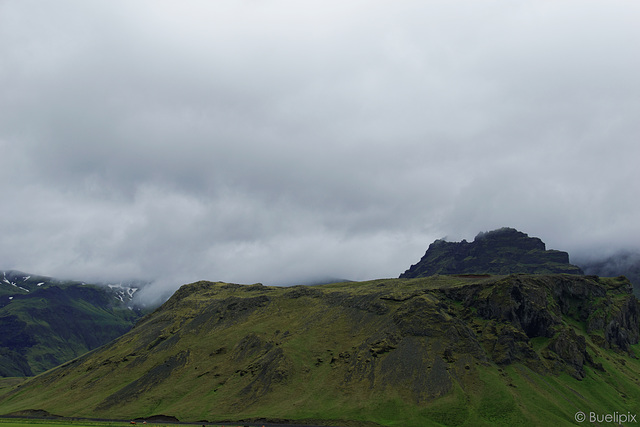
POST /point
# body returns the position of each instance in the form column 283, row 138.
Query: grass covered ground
column 62, row 423
column 22, row 422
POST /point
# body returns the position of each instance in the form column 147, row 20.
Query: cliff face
column 503, row 251
column 515, row 350
column 538, row 306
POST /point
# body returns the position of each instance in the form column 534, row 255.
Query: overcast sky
column 284, row 141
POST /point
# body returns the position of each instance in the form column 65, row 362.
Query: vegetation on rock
column 442, row 350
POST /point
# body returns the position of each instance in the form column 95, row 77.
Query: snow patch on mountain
column 122, row 292
column 4, row 274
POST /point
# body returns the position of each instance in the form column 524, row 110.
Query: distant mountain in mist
column 47, row 321
column 502, row 251
column 623, row 263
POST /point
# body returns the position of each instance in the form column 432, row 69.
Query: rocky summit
column 502, row 251
column 475, row 350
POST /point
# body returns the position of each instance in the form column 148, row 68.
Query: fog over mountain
column 283, row 141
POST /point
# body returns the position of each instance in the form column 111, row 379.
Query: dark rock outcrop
column 503, row 251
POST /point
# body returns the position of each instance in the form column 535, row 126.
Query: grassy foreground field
column 85, row 423
column 49, row 423
column 64, row 423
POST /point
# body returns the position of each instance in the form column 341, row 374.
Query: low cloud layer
column 281, row 141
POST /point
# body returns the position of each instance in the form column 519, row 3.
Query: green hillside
column 443, row 350
column 46, row 322
column 502, row 251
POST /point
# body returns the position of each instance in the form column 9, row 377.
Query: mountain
column 502, row 251
column 46, row 321
column 526, row 350
column 622, row 263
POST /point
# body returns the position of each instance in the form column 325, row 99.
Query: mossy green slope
column 443, row 350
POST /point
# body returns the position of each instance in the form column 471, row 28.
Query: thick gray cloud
column 281, row 141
